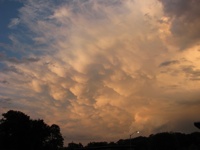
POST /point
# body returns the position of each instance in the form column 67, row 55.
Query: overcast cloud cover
column 102, row 69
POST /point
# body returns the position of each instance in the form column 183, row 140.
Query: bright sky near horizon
column 102, row 69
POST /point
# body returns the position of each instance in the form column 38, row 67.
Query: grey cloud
column 195, row 79
column 12, row 69
column 2, row 55
column 168, row 63
column 185, row 16
column 23, row 60
column 161, row 128
column 191, row 102
column 177, row 7
column 30, row 59
column 190, row 98
column 15, row 60
column 187, row 126
column 4, row 82
column 191, row 72
column 182, row 66
column 5, row 100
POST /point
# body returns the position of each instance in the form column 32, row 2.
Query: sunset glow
column 102, row 69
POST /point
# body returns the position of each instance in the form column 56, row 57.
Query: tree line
column 19, row 132
column 159, row 141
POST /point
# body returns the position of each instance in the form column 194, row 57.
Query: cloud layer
column 103, row 69
column 185, row 22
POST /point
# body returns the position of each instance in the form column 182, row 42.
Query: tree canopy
column 19, row 132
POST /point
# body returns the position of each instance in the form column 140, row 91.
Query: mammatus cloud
column 102, row 70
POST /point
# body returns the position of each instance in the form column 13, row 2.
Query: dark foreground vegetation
column 19, row 132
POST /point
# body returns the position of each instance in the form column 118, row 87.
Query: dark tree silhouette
column 96, row 144
column 55, row 140
column 164, row 141
column 39, row 133
column 74, row 146
column 14, row 130
column 197, row 124
column 19, row 132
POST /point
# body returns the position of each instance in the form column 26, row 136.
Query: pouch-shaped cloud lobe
column 104, row 69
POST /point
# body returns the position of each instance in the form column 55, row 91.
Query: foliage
column 19, row 132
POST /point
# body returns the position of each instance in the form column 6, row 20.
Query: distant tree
column 197, row 124
column 194, row 140
column 74, row 146
column 174, row 141
column 19, row 132
column 123, row 142
column 163, row 141
column 112, row 144
column 96, row 144
column 55, row 140
column 140, row 143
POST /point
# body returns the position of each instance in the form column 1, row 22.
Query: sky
column 102, row 69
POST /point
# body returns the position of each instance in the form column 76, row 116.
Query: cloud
column 192, row 72
column 185, row 22
column 168, row 63
column 5, row 99
column 92, row 67
column 14, row 22
column 11, row 69
column 15, row 60
column 4, row 82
